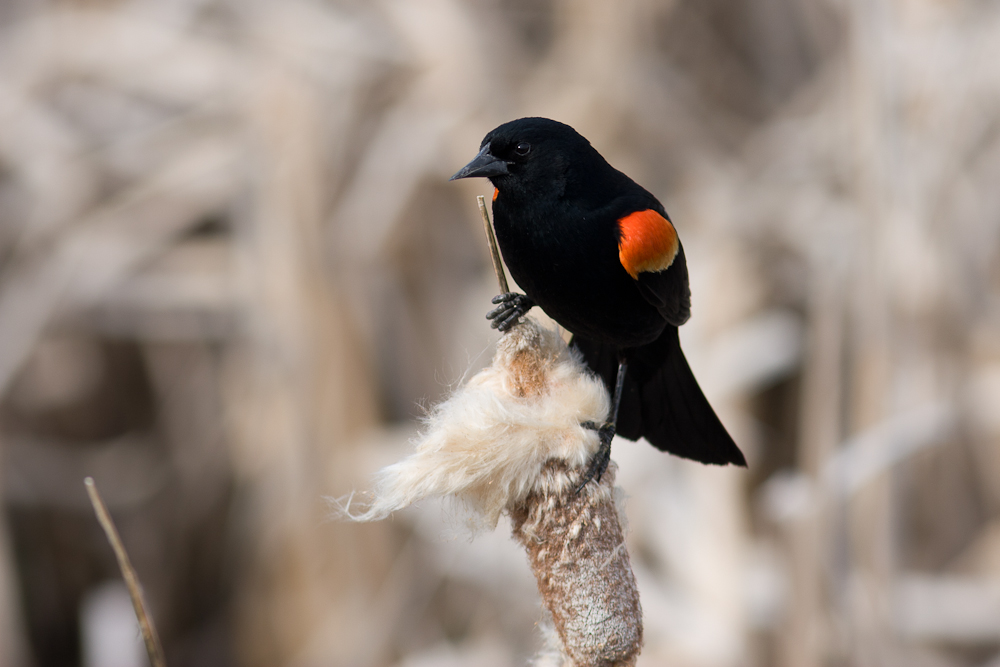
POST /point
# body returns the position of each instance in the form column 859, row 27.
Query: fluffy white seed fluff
column 487, row 443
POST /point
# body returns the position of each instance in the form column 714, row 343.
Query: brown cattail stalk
column 576, row 549
column 511, row 441
column 575, row 543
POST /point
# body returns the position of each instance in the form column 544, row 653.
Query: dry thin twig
column 149, row 636
column 494, row 251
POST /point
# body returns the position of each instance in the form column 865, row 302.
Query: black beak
column 484, row 164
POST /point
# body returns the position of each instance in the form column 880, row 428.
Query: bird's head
column 528, row 154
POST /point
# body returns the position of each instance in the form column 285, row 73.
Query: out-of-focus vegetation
column 232, row 272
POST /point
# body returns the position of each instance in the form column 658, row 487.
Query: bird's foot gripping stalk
column 605, row 431
column 512, row 308
column 601, row 458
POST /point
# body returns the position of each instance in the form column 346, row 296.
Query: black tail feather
column 662, row 401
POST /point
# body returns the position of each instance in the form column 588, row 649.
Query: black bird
column 599, row 254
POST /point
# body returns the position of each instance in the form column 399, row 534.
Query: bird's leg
column 512, row 307
column 605, row 432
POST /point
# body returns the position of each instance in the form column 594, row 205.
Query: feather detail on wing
column 647, row 242
column 652, row 254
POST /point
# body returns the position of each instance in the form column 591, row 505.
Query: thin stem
column 494, row 250
column 149, row 636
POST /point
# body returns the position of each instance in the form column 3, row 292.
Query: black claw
column 497, row 312
column 606, row 432
column 509, row 322
column 502, row 298
column 602, row 457
column 512, row 307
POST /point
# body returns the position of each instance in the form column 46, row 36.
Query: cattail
column 511, row 441
column 576, row 548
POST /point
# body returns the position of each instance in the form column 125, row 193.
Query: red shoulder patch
column 496, row 191
column 647, row 242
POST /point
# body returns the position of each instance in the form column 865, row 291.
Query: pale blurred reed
column 231, row 271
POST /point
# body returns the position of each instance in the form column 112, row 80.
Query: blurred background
column 233, row 276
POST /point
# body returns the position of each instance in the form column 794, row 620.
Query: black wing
column 668, row 290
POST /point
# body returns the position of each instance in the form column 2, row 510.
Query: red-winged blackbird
column 599, row 254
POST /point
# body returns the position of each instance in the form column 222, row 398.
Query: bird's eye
column 522, row 148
